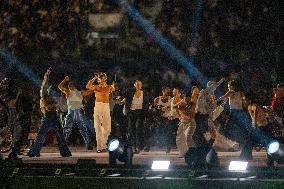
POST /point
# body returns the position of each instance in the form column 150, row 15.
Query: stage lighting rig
column 119, row 149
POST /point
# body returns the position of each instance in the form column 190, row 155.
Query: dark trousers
column 50, row 122
column 79, row 119
column 170, row 127
column 239, row 129
column 26, row 125
column 135, row 120
column 17, row 130
column 201, row 127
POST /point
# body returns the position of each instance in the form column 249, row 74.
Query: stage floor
column 51, row 155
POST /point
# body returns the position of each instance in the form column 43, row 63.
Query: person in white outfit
column 102, row 119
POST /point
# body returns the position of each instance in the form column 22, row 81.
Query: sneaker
column 102, row 151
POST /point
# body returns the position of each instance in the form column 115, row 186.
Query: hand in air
column 67, row 78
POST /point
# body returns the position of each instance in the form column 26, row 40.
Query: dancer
column 10, row 97
column 102, row 119
column 172, row 113
column 76, row 115
column 50, row 121
column 187, row 123
column 157, row 118
column 136, row 108
column 203, row 110
column 277, row 103
column 239, row 122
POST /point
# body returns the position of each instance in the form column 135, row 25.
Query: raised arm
column 90, row 85
column 44, row 83
column 220, row 82
column 43, row 89
column 62, row 87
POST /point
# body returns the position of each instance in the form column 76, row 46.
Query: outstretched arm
column 85, row 93
column 61, row 86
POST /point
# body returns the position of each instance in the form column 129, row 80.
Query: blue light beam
column 9, row 58
column 164, row 43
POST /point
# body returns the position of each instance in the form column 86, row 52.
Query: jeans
column 49, row 122
column 79, row 119
column 239, row 129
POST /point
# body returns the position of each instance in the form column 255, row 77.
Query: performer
column 102, row 119
column 187, row 125
column 203, row 109
column 10, row 95
column 25, row 107
column 136, row 108
column 157, row 119
column 277, row 104
column 50, row 121
column 76, row 115
column 237, row 126
column 172, row 114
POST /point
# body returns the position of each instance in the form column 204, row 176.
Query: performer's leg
column 83, row 127
column 106, row 125
column 36, row 147
column 98, row 128
column 68, row 125
column 26, row 125
column 131, row 128
column 181, row 141
column 17, row 134
column 140, row 134
column 64, row 150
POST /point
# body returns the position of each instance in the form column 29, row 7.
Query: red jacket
column 277, row 105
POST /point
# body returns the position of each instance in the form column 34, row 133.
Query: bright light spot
column 114, row 175
column 160, row 165
column 113, row 145
column 238, row 165
column 273, row 147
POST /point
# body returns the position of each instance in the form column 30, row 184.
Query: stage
column 50, row 155
column 52, row 171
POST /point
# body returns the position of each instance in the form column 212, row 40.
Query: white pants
column 102, row 123
column 184, row 136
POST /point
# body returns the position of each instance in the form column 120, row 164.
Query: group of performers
column 187, row 119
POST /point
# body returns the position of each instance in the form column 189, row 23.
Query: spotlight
column 113, row 145
column 160, row 165
column 275, row 152
column 238, row 165
column 119, row 149
column 273, row 147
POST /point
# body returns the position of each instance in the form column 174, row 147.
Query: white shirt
column 203, row 103
column 137, row 103
column 74, row 100
column 164, row 104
